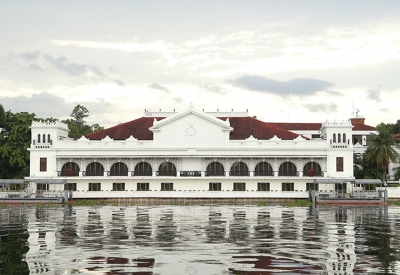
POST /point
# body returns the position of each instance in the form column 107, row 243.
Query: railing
column 288, row 173
column 214, row 173
column 141, row 173
column 320, row 174
column 92, row 173
column 49, row 193
column 190, row 174
column 68, row 173
column 117, row 173
column 264, row 173
column 166, row 173
column 239, row 173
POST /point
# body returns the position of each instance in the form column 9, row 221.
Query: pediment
column 191, row 113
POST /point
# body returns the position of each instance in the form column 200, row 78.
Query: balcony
column 239, row 173
column 166, row 173
column 214, row 173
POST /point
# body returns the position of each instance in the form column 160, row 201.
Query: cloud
column 374, row 94
column 30, row 56
column 61, row 64
column 46, row 105
column 35, row 68
column 298, row 86
column 119, row 82
column 321, row 107
column 159, row 87
column 213, row 89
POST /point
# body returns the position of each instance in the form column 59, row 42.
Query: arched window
column 339, row 140
column 38, row 138
column 263, row 169
column 239, row 169
column 94, row 169
column 334, row 138
column 215, row 169
column 48, row 138
column 287, row 169
column 119, row 169
column 44, row 138
column 312, row 169
column 167, row 169
column 344, row 138
column 143, row 169
column 70, row 169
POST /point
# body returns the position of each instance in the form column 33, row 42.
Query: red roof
column 293, row 126
column 298, row 126
column 244, row 127
column 138, row 128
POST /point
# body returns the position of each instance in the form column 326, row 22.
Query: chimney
column 357, row 120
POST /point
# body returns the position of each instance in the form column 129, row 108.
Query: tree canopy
column 15, row 139
column 77, row 125
column 2, row 117
column 381, row 149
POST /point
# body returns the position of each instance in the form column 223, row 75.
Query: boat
column 38, row 191
column 348, row 191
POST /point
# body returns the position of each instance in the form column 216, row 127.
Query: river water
column 199, row 240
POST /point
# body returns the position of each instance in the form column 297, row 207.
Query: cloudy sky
column 284, row 61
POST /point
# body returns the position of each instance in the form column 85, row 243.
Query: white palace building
column 197, row 154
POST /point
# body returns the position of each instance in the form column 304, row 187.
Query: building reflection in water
column 216, row 228
column 166, row 229
column 243, row 240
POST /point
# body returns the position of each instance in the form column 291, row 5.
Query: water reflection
column 199, row 240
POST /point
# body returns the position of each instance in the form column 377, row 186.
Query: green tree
column 381, row 149
column 2, row 117
column 364, row 168
column 14, row 141
column 77, row 125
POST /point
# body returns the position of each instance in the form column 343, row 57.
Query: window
column 239, row 169
column 95, row 186
column 38, row 138
column 94, row 169
column 44, row 138
column 42, row 186
column 43, row 164
column 263, row 186
column 215, row 169
column 334, row 138
column 119, row 169
column 287, row 169
column 48, row 138
column 239, row 186
column 167, row 169
column 263, row 169
column 339, row 140
column 214, row 186
column 312, row 186
column 70, row 169
column 315, row 136
column 119, row 186
column 167, row 186
column 344, row 138
column 339, row 164
column 143, row 169
column 312, row 169
column 143, row 186
column 70, row 186
column 357, row 139
column 287, row 186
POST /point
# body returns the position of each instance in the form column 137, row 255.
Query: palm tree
column 2, row 117
column 381, row 149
